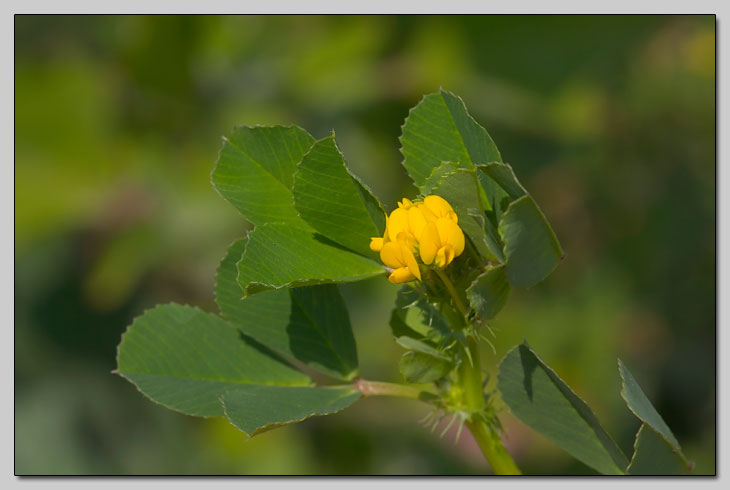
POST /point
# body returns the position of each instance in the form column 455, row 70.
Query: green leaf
column 461, row 189
column 414, row 317
column 258, row 408
column 439, row 129
column 531, row 248
column 255, row 171
column 185, row 359
column 497, row 198
column 489, row 292
column 280, row 255
column 503, row 175
column 334, row 202
column 416, row 345
column 653, row 455
column 540, row 399
column 640, row 406
column 310, row 324
column 437, row 175
column 418, row 367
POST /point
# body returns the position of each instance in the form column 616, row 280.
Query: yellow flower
column 405, row 203
column 399, row 256
column 376, row 243
column 435, row 207
column 427, row 228
column 406, row 223
column 441, row 241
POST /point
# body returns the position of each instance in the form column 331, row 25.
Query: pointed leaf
column 540, row 399
column 280, row 255
column 184, row 359
column 255, row 171
column 258, row 408
column 439, row 129
column 653, row 455
column 489, row 293
column 531, row 248
column 461, row 189
column 505, row 177
column 310, row 324
column 640, row 406
column 334, row 202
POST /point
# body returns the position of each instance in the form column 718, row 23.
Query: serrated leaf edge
column 275, row 425
column 258, row 286
column 225, row 140
column 354, row 177
column 121, row 373
column 675, row 448
column 553, row 375
column 644, row 425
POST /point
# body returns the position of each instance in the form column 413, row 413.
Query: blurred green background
column 608, row 120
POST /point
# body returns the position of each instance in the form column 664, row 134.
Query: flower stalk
column 421, row 237
column 470, row 380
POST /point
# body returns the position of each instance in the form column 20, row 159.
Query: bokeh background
column 608, row 120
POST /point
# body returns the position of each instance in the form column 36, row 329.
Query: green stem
column 424, row 392
column 452, row 291
column 498, row 457
column 470, row 377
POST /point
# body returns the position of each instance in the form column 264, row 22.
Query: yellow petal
column 405, row 203
column 397, row 223
column 376, row 243
column 392, row 255
column 427, row 213
column 400, row 275
column 438, row 206
column 444, row 256
column 429, row 243
column 416, row 221
column 411, row 263
column 407, row 239
column 450, row 233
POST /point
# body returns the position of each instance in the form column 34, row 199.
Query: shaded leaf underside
column 310, row 324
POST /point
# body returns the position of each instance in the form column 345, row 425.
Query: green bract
column 280, row 306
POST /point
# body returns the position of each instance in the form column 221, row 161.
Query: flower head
column 425, row 228
column 435, row 207
column 399, row 256
column 442, row 240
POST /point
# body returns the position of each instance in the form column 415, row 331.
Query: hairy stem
column 490, row 444
column 470, row 377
